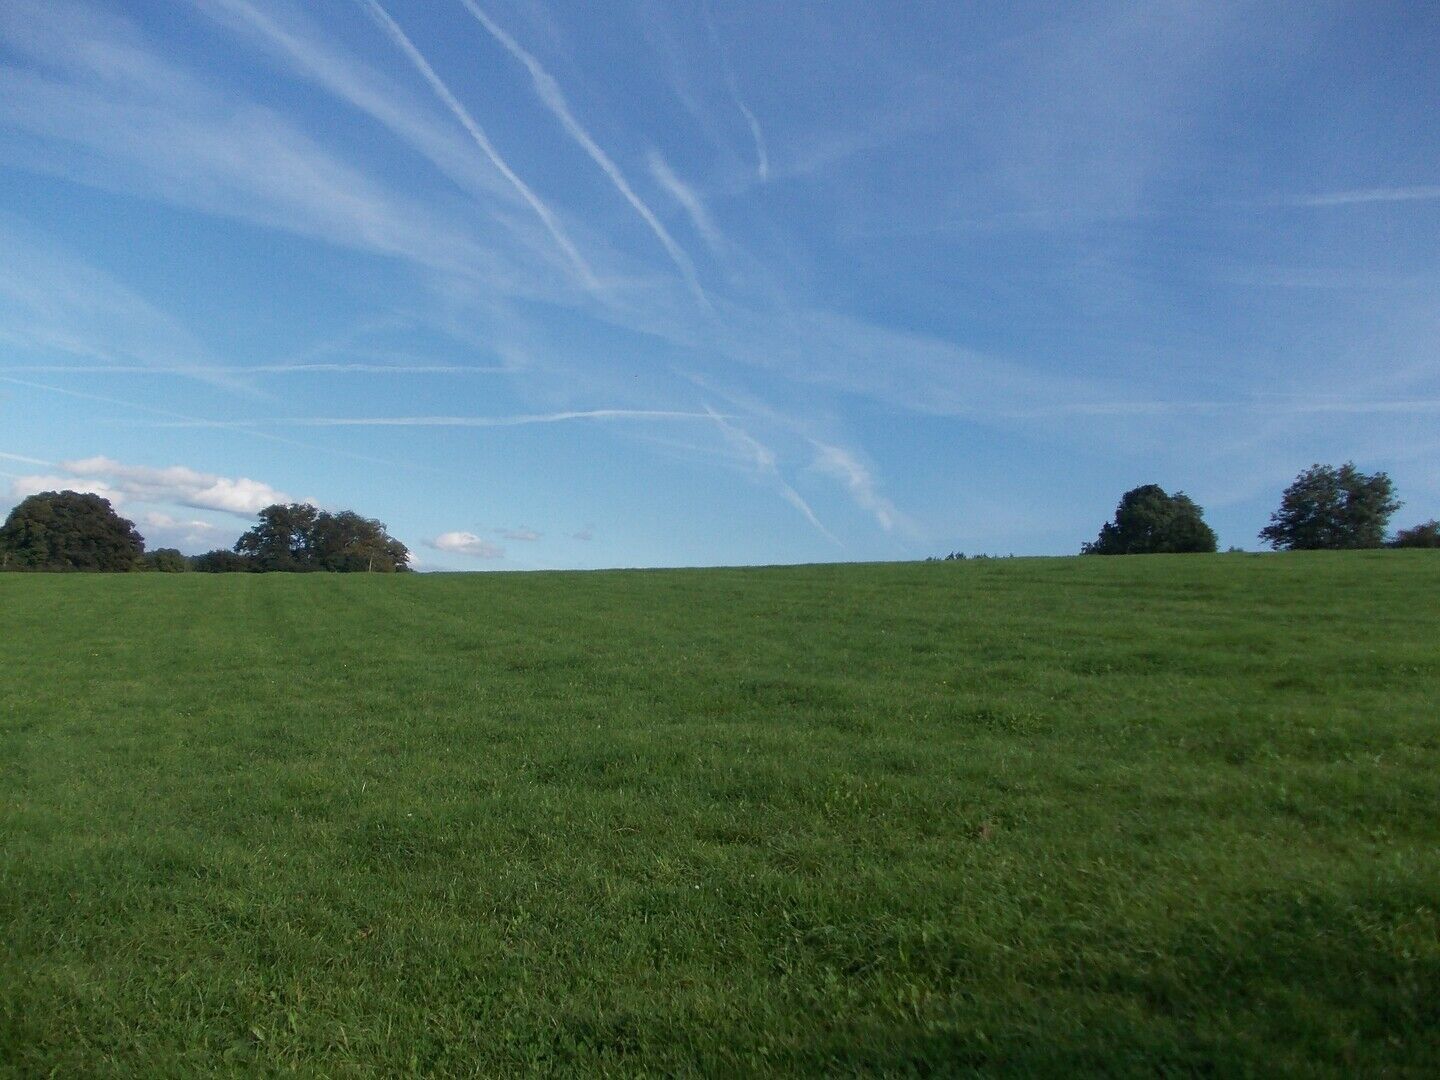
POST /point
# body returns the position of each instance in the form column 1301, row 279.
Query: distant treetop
column 68, row 530
column 303, row 538
column 71, row 530
column 1424, row 535
column 1150, row 522
column 1330, row 508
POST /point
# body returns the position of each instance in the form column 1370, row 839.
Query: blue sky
column 670, row 283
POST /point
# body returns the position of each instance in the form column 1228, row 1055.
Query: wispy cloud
column 688, row 200
column 312, row 54
column 844, row 466
column 197, row 150
column 520, row 420
column 765, row 464
column 521, row 534
column 1423, row 192
column 451, row 102
column 55, row 302
column 162, row 530
column 467, row 543
column 22, row 459
column 762, row 154
column 256, row 369
column 1269, row 405
column 549, row 92
column 176, row 485
column 175, row 419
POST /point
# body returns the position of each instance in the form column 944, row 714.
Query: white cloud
column 54, row 302
column 583, row 534
column 1419, row 193
column 467, row 543
column 123, row 117
column 548, row 90
column 765, row 464
column 762, row 155
column 25, row 460
column 417, row 59
column 35, row 483
column 522, row 533
column 521, row 420
column 257, row 369
column 688, row 200
column 176, row 485
column 845, row 467
column 164, row 530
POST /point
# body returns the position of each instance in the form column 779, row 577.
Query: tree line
column 1324, row 509
column 71, row 530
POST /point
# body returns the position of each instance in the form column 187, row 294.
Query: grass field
column 1051, row 816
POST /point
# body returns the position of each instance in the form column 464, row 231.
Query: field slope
column 1053, row 816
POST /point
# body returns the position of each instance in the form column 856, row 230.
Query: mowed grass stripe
column 1094, row 815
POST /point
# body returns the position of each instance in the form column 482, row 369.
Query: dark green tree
column 68, row 530
column 281, row 541
column 220, row 561
column 1330, row 508
column 1424, row 535
column 345, row 542
column 1150, row 522
column 299, row 537
column 166, row 561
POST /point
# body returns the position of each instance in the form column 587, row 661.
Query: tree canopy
column 1330, row 508
column 220, row 561
column 1149, row 522
column 301, row 537
column 68, row 530
column 166, row 561
column 1424, row 535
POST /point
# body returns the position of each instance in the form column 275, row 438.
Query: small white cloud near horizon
column 522, row 533
column 467, row 543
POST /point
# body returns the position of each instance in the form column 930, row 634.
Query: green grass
column 1051, row 816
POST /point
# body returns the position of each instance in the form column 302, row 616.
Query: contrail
column 27, row 460
column 256, row 369
column 181, row 420
column 550, row 93
column 1372, row 195
column 762, row 156
column 386, row 23
column 764, row 460
column 691, row 203
column 520, row 420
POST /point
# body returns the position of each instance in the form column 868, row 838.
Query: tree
column 68, row 530
column 281, row 541
column 1330, row 508
column 166, row 561
column 1425, row 535
column 348, row 543
column 299, row 537
column 220, row 561
column 1150, row 522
